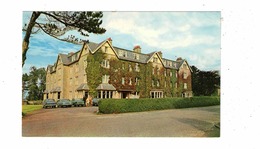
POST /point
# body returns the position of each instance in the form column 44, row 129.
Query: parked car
column 49, row 103
column 95, row 101
column 64, row 103
column 78, row 102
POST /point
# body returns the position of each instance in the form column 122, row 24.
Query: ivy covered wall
column 130, row 76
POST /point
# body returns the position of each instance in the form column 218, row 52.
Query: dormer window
column 124, row 54
column 136, row 56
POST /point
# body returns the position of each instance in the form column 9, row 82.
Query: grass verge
column 30, row 108
column 137, row 105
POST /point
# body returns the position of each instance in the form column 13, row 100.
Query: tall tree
column 34, row 83
column 25, row 79
column 204, row 82
column 56, row 24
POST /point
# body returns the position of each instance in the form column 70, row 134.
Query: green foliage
column 30, row 108
column 60, row 23
column 137, row 105
column 94, row 71
column 34, row 83
column 204, row 83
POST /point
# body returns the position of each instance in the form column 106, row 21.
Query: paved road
column 84, row 122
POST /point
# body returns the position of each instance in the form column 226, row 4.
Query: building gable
column 106, row 47
column 155, row 58
column 184, row 64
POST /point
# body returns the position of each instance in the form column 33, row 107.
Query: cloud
column 205, row 59
column 163, row 32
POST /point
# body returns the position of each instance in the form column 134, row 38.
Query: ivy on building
column 130, row 76
column 94, row 71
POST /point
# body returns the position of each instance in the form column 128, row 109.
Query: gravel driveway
column 84, row 122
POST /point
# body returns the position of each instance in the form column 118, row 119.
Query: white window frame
column 185, row 85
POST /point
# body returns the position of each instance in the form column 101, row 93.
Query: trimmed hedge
column 137, row 105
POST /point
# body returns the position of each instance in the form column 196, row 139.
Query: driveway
column 84, row 122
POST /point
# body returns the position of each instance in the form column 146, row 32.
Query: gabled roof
column 106, row 86
column 83, row 86
column 67, row 59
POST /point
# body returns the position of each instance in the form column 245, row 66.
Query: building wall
column 70, row 77
column 184, row 77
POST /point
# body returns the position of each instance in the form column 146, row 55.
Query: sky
column 192, row 35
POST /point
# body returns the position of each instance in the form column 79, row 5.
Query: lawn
column 30, row 108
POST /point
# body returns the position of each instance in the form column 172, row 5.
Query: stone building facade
column 154, row 76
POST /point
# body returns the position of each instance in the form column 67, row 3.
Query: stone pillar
column 101, row 94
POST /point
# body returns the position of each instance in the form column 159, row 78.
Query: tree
column 34, row 83
column 204, row 82
column 25, row 79
column 57, row 24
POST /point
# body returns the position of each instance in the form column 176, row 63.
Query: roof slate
column 106, row 86
column 143, row 58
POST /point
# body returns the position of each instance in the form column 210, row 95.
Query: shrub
column 138, row 105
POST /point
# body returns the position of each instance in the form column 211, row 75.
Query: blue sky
column 194, row 36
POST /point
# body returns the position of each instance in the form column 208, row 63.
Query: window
column 123, row 66
column 123, row 81
column 130, row 67
column 105, row 63
column 184, row 66
column 130, row 81
column 152, row 83
column 158, row 83
column 170, row 74
column 137, row 68
column 165, row 73
column 105, row 78
column 124, row 54
column 120, row 53
column 185, row 85
column 169, row 63
column 185, row 75
column 165, row 84
column 155, row 59
column 106, row 49
column 58, row 95
column 136, row 81
column 153, row 70
column 136, row 56
column 176, row 85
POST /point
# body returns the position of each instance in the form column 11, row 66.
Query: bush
column 138, row 105
column 34, row 102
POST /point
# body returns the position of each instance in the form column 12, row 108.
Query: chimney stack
column 110, row 40
column 179, row 59
column 137, row 49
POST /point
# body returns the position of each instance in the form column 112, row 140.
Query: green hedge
column 138, row 105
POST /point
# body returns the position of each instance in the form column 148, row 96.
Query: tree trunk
column 26, row 39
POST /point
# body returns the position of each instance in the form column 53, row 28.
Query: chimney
column 110, row 40
column 71, row 53
column 137, row 49
column 179, row 59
